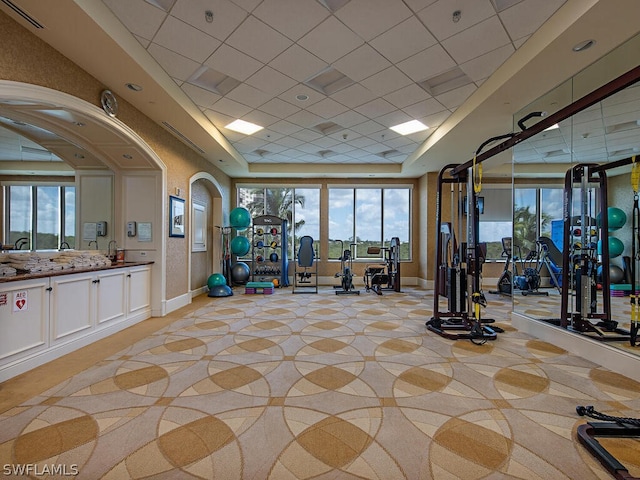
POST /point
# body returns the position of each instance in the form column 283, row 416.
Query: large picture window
column 368, row 217
column 40, row 217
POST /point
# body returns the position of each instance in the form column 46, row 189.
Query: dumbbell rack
column 269, row 259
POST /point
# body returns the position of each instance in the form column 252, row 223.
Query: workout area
column 320, row 239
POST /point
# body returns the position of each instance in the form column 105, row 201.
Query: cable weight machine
column 459, row 266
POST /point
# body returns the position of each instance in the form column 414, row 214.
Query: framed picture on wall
column 176, row 216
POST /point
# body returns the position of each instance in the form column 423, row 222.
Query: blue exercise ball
column 216, row 280
column 240, row 218
column 616, row 247
column 240, row 273
column 220, row 291
column 616, row 218
column 240, row 245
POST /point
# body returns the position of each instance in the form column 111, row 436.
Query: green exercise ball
column 240, row 246
column 240, row 218
column 616, row 218
column 616, row 247
column 216, row 280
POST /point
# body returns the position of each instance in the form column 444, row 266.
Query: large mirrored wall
column 573, row 203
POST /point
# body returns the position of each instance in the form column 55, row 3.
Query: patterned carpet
column 321, row 387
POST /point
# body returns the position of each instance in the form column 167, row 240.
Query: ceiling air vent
column 327, row 128
column 182, row 137
column 389, row 153
column 22, row 13
column 262, row 153
column 329, row 81
column 622, row 127
column 333, row 5
column 445, row 82
column 327, row 153
column 213, row 81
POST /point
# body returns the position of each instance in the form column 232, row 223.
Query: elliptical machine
column 346, row 272
column 505, row 282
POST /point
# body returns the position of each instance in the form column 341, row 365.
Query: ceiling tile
column 298, row 63
column 483, row 66
column 424, row 108
column 139, row 17
column 285, row 127
column 330, row 40
column 368, row 128
column 226, row 16
column 375, row 108
column 258, row 40
column 305, row 119
column 438, row 17
column 349, row 119
column 477, row 40
column 260, row 118
column 394, row 118
column 526, row 17
column 307, row 135
column 407, row 96
column 185, row 40
column 370, row 18
column 426, row 64
column 271, row 81
column 417, row 5
column 454, row 98
column 279, row 108
column 289, row 142
column 248, row 95
column 233, row 63
column 354, row 96
column 175, row 65
column 386, row 81
column 403, row 40
column 230, row 108
column 292, row 18
column 247, row 5
column 219, row 119
column 327, row 108
column 363, row 62
column 200, row 96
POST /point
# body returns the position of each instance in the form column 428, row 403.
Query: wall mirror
column 558, row 215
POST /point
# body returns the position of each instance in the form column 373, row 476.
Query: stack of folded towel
column 7, row 271
column 29, row 262
column 81, row 259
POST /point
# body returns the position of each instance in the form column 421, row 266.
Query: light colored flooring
column 313, row 386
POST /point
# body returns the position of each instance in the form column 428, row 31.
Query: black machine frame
column 384, row 275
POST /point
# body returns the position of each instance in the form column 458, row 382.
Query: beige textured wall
column 25, row 58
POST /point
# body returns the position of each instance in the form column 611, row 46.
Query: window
column 368, row 217
column 40, row 217
column 299, row 206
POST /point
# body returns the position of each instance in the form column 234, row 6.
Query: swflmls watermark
column 36, row 469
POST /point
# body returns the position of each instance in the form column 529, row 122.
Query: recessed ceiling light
column 582, row 46
column 406, row 128
column 243, row 127
column 302, row 97
column 133, row 86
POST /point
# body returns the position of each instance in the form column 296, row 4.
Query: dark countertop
column 69, row 271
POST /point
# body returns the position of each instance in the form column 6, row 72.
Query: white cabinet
column 58, row 314
column 24, row 326
column 71, row 305
column 139, row 290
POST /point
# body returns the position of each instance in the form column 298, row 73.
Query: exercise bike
column 346, row 272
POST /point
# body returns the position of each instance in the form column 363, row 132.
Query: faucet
column 65, row 245
column 21, row 242
column 112, row 255
column 93, row 241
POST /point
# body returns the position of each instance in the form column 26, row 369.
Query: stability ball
column 220, row 291
column 616, row 218
column 616, row 247
column 616, row 274
column 215, row 280
column 240, row 245
column 240, row 218
column 240, row 273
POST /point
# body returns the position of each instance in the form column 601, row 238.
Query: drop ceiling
column 326, row 79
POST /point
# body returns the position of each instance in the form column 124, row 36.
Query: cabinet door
column 24, row 318
column 139, row 289
column 111, row 296
column 71, row 305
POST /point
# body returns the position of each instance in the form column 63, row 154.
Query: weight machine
column 384, row 276
column 459, row 267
